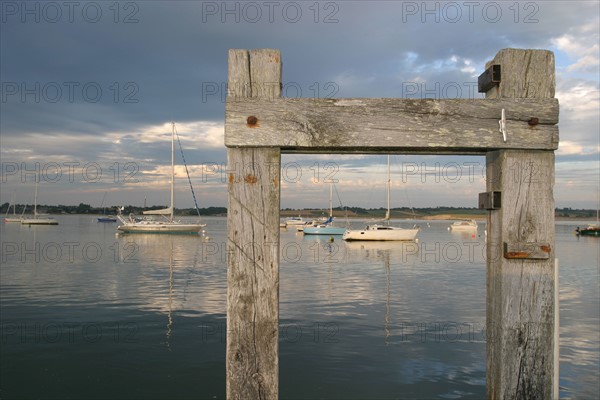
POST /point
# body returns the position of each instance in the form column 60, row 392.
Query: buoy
column 331, row 238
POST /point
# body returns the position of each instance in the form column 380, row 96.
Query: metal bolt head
column 252, row 120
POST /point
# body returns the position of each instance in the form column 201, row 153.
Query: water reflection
column 365, row 319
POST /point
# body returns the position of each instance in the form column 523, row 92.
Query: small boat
column 467, row 224
column 104, row 217
column 14, row 217
column 293, row 221
column 168, row 224
column 382, row 232
column 38, row 219
column 325, row 228
column 591, row 230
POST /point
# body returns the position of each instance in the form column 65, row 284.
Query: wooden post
column 253, row 239
column 520, row 252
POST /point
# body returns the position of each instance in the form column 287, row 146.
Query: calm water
column 87, row 314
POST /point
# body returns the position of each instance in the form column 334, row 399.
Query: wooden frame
column 260, row 125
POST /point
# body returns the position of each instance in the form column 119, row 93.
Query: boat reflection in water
column 403, row 253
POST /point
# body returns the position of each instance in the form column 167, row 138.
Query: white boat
column 464, row 225
column 293, row 221
column 325, row 228
column 167, row 224
column 14, row 217
column 38, row 219
column 385, row 231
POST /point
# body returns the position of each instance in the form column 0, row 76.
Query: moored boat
column 14, row 217
column 591, row 230
column 294, row 221
column 166, row 225
column 38, row 219
column 467, row 224
column 326, row 227
column 382, row 232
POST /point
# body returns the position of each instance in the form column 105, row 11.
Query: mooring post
column 520, row 252
column 253, row 238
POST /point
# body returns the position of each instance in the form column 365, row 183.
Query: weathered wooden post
column 253, row 239
column 520, row 252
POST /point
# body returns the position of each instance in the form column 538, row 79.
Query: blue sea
column 88, row 314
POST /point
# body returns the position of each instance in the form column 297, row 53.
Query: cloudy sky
column 88, row 91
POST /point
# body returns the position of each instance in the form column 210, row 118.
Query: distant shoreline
column 425, row 214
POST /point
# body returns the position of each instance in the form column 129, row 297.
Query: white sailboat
column 14, row 217
column 165, row 225
column 382, row 232
column 38, row 219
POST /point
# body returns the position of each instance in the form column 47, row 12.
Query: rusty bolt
column 533, row 121
column 252, row 120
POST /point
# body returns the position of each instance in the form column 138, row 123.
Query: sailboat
column 14, row 217
column 382, row 232
column 592, row 230
column 104, row 217
column 38, row 219
column 165, row 225
column 326, row 228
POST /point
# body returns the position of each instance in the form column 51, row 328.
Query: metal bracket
column 502, row 124
column 490, row 200
column 490, row 78
column 527, row 251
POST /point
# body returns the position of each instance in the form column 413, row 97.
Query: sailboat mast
column 35, row 196
column 331, row 200
column 172, row 169
column 387, row 214
column 597, row 204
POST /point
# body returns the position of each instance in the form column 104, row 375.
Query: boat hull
column 39, row 221
column 464, row 226
column 326, row 230
column 106, row 219
column 189, row 229
column 397, row 234
column 12, row 220
column 589, row 232
column 294, row 222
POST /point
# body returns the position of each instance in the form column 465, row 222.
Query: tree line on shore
column 399, row 212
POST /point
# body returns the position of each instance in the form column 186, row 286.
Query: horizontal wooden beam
column 427, row 126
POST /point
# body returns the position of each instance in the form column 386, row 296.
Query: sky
column 89, row 90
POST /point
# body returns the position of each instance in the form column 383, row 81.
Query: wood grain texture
column 520, row 292
column 531, row 74
column 253, row 247
column 392, row 125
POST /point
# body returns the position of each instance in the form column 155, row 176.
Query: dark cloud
column 100, row 77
